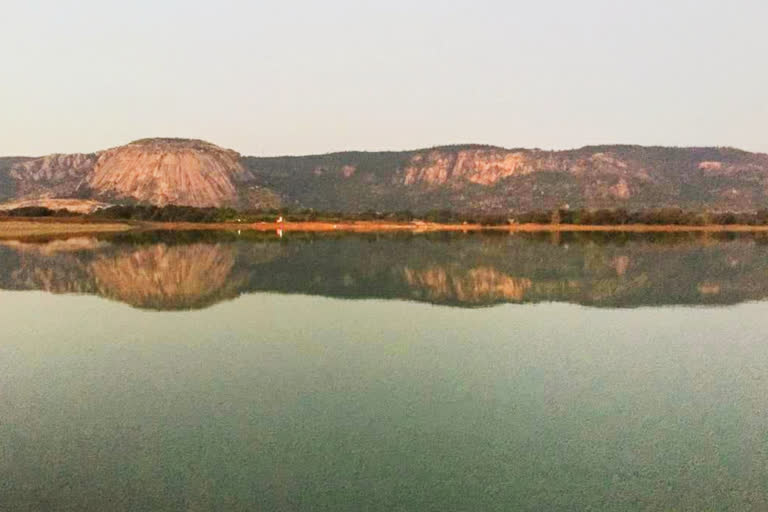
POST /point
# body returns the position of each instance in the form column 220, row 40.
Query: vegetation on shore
column 580, row 217
column 14, row 228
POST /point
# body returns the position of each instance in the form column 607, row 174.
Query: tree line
column 611, row 217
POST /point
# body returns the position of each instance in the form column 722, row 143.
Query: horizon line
column 449, row 146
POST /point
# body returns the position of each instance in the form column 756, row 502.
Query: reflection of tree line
column 164, row 271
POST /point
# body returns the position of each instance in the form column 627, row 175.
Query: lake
column 217, row 371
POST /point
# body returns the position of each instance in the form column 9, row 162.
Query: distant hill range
column 470, row 178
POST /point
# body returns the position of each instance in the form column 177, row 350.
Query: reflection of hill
column 168, row 277
column 74, row 244
column 470, row 286
column 152, row 276
column 476, row 270
column 183, row 271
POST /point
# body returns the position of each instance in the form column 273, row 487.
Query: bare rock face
column 484, row 166
column 489, row 166
column 52, row 175
column 151, row 171
column 169, row 171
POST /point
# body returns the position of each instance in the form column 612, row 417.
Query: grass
column 13, row 228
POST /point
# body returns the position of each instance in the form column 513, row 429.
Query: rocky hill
column 464, row 178
column 491, row 179
column 8, row 184
column 52, row 176
column 169, row 171
column 152, row 171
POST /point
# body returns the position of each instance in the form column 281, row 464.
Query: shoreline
column 373, row 226
column 25, row 227
column 16, row 228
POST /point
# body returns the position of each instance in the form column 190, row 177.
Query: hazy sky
column 290, row 77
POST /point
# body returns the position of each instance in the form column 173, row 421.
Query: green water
column 358, row 373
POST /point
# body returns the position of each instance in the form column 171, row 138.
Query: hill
column 490, row 179
column 471, row 178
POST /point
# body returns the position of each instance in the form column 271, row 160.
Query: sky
column 295, row 77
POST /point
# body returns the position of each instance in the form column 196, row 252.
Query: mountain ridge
column 461, row 177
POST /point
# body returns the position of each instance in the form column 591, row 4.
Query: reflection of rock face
column 473, row 286
column 159, row 276
column 74, row 244
column 151, row 276
column 621, row 264
column 709, row 288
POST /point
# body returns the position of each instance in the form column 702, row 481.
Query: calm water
column 464, row 372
